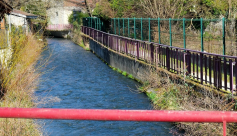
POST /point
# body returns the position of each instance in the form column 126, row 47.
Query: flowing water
column 82, row 81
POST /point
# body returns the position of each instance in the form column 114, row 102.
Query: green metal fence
column 209, row 35
column 217, row 36
column 94, row 22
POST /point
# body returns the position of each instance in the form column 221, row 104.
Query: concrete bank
column 132, row 66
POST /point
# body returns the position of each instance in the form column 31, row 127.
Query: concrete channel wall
column 138, row 69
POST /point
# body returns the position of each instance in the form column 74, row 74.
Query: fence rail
column 206, row 68
column 59, row 27
column 207, row 35
column 121, row 115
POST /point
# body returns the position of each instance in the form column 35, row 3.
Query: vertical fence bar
column 128, row 28
column 114, row 27
column 159, row 30
column 134, row 28
column 123, row 26
column 201, row 22
column 235, row 74
column 224, row 128
column 210, row 69
column 225, row 74
column 184, row 34
column 118, row 26
column 141, row 30
column 111, row 25
column 231, row 76
column 149, row 21
column 205, row 59
column 201, row 67
column 170, row 32
column 223, row 26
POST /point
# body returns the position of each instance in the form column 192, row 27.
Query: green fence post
column 202, row 48
column 95, row 22
column 223, row 31
column 97, row 19
column 184, row 34
column 128, row 29
column 118, row 26
column 149, row 20
column 141, row 30
column 99, row 24
column 159, row 30
column 170, row 32
column 114, row 25
column 123, row 26
column 111, row 25
column 134, row 28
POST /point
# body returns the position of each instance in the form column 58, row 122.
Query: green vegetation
column 77, row 19
column 124, row 73
column 119, row 70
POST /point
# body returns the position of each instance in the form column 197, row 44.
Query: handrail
column 122, row 115
column 205, row 67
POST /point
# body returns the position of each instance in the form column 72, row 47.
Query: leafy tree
column 77, row 19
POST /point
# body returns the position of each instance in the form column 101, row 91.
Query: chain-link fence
column 208, row 35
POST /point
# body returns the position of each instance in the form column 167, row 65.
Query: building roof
column 23, row 14
column 5, row 8
column 78, row 3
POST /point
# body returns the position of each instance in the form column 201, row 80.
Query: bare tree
column 163, row 8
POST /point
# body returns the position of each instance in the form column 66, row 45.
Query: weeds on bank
column 81, row 41
column 18, row 82
column 170, row 93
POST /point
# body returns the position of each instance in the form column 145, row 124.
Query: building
column 4, row 9
column 59, row 13
column 21, row 18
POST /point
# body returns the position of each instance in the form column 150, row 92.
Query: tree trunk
column 88, row 8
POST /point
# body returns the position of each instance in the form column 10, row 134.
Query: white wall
column 18, row 21
column 60, row 15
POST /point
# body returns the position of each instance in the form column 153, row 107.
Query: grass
column 81, row 41
column 18, row 82
column 167, row 94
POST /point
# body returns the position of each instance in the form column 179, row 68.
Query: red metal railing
column 121, row 115
column 59, row 27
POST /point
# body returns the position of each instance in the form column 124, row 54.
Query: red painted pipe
column 119, row 115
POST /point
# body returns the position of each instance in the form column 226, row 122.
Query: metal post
column 114, row 26
column 128, row 29
column 223, row 25
column 118, row 26
column 224, row 128
column 184, row 34
column 134, row 28
column 123, row 26
column 159, row 30
column 149, row 20
column 111, row 25
column 202, row 48
column 141, row 30
column 99, row 24
column 95, row 22
column 170, row 32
